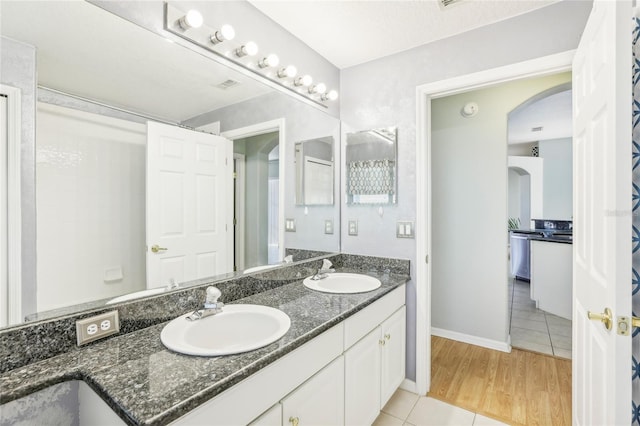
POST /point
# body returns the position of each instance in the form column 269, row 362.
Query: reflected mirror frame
column 372, row 166
column 302, row 161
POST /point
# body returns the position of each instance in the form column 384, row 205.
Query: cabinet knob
column 294, row 421
column 382, row 342
column 387, row 336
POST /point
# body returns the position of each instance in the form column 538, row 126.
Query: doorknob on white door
column 156, row 248
column 606, row 317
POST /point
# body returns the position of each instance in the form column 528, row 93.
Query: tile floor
column 406, row 408
column 534, row 329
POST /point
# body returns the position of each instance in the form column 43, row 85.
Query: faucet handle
column 213, row 293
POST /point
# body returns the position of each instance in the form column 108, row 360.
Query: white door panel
column 602, row 215
column 189, row 204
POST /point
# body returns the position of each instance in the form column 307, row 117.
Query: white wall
column 558, row 178
column 383, row 93
column 91, row 206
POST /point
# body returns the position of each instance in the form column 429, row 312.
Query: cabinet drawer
column 360, row 324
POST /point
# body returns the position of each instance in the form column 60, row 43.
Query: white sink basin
column 137, row 295
column 342, row 282
column 238, row 328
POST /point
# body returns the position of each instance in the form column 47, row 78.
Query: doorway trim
column 538, row 67
column 277, row 125
column 239, row 211
column 14, row 205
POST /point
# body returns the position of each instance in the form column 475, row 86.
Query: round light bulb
column 289, row 72
column 251, row 48
column 270, row 61
column 193, row 19
column 332, row 95
column 248, row 49
column 226, row 32
column 304, row 81
column 319, row 88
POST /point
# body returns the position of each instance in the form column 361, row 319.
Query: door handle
column 156, row 248
column 606, row 317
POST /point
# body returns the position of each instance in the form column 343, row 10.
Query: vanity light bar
column 190, row 26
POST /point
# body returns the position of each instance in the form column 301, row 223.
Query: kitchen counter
column 549, row 235
column 146, row 384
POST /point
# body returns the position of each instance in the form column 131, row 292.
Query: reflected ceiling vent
column 227, row 84
column 537, row 129
column 447, row 3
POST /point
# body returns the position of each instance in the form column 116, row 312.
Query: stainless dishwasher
column 520, row 255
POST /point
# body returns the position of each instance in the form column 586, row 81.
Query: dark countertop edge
column 202, row 396
column 552, row 240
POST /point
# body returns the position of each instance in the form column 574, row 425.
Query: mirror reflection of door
column 257, row 161
column 189, row 205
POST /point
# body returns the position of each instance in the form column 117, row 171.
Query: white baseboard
column 472, row 340
column 409, row 386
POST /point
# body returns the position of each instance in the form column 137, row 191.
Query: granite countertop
column 146, row 384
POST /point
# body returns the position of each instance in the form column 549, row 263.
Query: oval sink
column 238, row 328
column 137, row 295
column 342, row 282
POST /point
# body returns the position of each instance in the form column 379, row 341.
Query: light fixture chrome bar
column 115, row 108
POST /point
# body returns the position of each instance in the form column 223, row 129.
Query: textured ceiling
column 348, row 32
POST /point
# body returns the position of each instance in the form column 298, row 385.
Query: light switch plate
column 290, row 225
column 353, row 227
column 404, row 229
column 328, row 226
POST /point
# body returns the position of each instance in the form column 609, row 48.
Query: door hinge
column 235, row 222
column 235, row 175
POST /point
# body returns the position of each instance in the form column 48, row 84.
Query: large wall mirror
column 100, row 78
column 371, row 166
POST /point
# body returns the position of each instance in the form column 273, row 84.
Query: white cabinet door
column 319, row 401
column 362, row 380
column 393, row 355
column 273, row 417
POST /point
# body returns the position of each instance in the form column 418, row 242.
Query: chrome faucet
column 211, row 305
column 324, row 271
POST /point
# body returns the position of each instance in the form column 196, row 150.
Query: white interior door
column 602, row 215
column 189, row 204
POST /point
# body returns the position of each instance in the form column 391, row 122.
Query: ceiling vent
column 537, row 129
column 227, row 84
column 447, row 3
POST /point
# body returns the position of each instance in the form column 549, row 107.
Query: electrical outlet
column 97, row 327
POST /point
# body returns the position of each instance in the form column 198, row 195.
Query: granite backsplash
column 39, row 340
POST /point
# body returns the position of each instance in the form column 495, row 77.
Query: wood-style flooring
column 520, row 388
